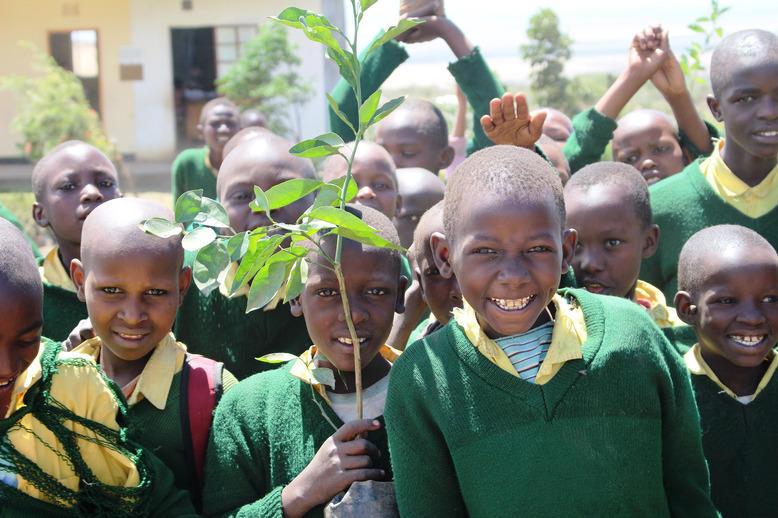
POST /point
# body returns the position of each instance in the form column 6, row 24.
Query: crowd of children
column 563, row 337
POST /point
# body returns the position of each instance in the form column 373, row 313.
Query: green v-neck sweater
column 683, row 205
column 615, row 433
column 62, row 311
column 265, row 432
column 739, row 443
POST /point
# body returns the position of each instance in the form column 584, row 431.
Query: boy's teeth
column 747, row 340
column 125, row 335
column 513, row 304
column 348, row 341
column 4, row 383
column 769, row 133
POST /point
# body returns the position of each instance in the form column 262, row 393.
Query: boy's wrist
column 294, row 501
column 455, row 39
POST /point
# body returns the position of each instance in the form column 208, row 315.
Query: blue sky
column 601, row 30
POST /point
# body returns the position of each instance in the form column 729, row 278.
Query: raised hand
column 510, row 123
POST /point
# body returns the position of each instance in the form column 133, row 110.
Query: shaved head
column 113, row 228
column 43, row 168
column 752, row 47
column 242, row 136
column 18, row 270
column 369, row 154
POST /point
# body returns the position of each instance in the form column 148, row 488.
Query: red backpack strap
column 201, row 389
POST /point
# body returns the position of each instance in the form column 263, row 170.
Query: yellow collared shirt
column 157, row 376
column 660, row 312
column 53, row 272
column 697, row 365
column 567, row 337
column 300, row 367
column 208, row 162
column 754, row 201
column 84, row 392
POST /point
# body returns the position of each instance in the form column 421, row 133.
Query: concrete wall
column 32, row 20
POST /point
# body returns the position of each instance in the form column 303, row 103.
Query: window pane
column 225, row 35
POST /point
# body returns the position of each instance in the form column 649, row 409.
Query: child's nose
column 455, row 292
column 751, row 313
column 647, row 164
column 90, row 192
column 513, row 272
column 132, row 311
column 365, row 192
column 768, row 108
column 589, row 259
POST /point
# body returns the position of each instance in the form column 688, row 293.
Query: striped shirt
column 526, row 351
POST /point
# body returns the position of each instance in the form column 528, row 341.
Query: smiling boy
column 608, row 205
column 133, row 284
column 532, row 383
column 728, row 277
column 738, row 183
column 69, row 182
column 198, row 168
column 273, row 450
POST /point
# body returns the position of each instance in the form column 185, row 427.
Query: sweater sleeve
column 425, row 479
column 377, row 67
column 686, row 479
column 235, row 475
column 591, row 133
column 480, row 85
column 693, row 149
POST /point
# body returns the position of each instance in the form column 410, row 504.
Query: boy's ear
column 447, row 155
column 569, row 240
column 184, row 281
column 39, row 215
column 651, row 241
column 295, row 307
column 78, row 278
column 441, row 252
column 402, row 285
column 715, row 109
column 200, row 132
column 398, row 205
column 686, row 311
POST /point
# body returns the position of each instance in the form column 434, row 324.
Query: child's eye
column 770, row 299
column 378, row 291
column 631, row 159
column 410, row 217
column 613, row 243
column 726, row 300
column 541, row 248
column 660, row 149
column 156, row 292
column 431, row 272
column 482, row 250
column 67, row 187
column 409, row 154
column 242, row 197
column 106, row 183
column 380, row 187
column 745, row 99
column 111, row 290
column 326, row 292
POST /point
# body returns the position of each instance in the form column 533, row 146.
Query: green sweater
column 739, row 441
column 160, row 430
column 62, row 311
column 684, row 204
column 189, row 172
column 265, row 432
column 5, row 213
column 219, row 328
column 471, row 72
column 615, row 433
column 592, row 131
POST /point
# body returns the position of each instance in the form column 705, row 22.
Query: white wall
column 151, row 21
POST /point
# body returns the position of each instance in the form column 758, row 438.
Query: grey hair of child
column 421, row 236
column 213, row 103
column 711, row 242
column 501, row 173
column 42, row 170
column 634, row 189
column 758, row 46
column 18, row 270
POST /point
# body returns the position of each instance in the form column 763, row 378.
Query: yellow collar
column 567, row 337
column 157, row 376
column 696, row 364
column 305, row 362
column 53, row 272
column 208, row 162
column 752, row 201
column 660, row 312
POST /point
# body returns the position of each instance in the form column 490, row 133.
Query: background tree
column 547, row 52
column 265, row 78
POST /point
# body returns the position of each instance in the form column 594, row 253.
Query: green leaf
column 188, row 205
column 366, row 4
column 160, row 227
column 696, row 28
column 315, row 148
column 700, row 80
column 198, row 238
column 702, row 19
column 722, row 11
column 260, row 203
column 368, row 108
column 345, row 61
column 295, row 17
column 322, row 376
column 277, row 358
column 238, row 245
column 387, row 108
column 210, row 264
column 393, row 32
column 352, row 227
column 290, row 191
column 212, row 214
column 342, row 116
column 297, row 279
column 256, row 256
column 326, row 198
column 266, row 284
column 720, row 31
column 368, row 238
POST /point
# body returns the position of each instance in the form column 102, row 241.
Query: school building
column 148, row 65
